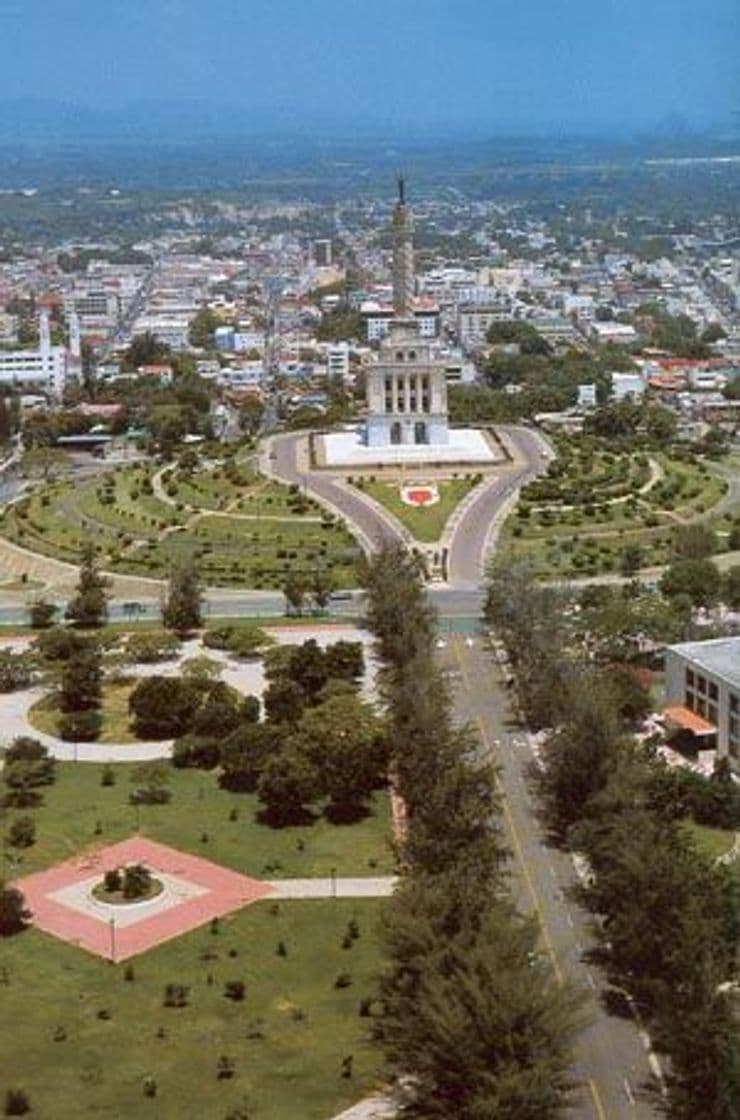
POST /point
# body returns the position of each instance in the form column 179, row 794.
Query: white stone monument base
column 348, row 449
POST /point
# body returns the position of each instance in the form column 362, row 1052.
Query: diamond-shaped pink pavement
column 196, row 890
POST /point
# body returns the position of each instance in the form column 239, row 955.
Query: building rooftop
column 720, row 656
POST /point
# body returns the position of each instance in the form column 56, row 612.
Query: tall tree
column 89, row 607
column 82, row 679
column 181, row 610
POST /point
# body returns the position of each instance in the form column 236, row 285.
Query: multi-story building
column 702, row 694
column 44, row 368
column 378, row 317
column 322, row 253
column 475, row 319
column 337, row 360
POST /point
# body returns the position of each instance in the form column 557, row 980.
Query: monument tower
column 403, row 255
column 406, row 387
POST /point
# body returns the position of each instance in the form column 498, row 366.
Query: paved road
column 611, row 1060
column 475, row 532
column 369, row 522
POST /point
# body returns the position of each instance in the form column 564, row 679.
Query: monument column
column 403, row 256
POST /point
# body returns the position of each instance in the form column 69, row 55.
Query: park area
column 241, row 528
column 598, row 512
column 425, row 522
column 202, row 929
column 91, row 1039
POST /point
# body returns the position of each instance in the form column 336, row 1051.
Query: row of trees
column 88, row 608
column 667, row 918
column 472, row 1019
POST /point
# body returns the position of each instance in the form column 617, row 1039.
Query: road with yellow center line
column 611, row 1063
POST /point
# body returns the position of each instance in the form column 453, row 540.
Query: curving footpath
column 247, row 677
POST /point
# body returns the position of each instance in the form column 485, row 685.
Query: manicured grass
column 45, row 714
column 78, row 811
column 266, row 540
column 714, row 842
column 287, row 1039
column 589, row 538
column 425, row 523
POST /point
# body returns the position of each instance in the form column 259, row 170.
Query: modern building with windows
column 702, row 694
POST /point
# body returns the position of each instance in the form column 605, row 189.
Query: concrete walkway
column 381, row 886
column 374, row 1108
column 247, row 677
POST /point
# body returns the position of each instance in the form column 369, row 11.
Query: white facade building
column 702, row 679
column 378, row 318
column 627, row 385
column 474, row 320
column 587, row 396
column 44, row 368
column 337, row 361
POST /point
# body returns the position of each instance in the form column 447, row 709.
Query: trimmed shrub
column 22, row 832
column 83, row 727
column 163, row 707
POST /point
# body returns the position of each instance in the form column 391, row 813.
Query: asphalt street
column 613, row 1066
column 475, row 531
column 368, row 522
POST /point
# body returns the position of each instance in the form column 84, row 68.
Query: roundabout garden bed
column 127, row 886
column 115, row 727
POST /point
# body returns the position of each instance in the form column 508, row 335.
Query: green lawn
column 426, row 524
column 260, row 548
column 714, row 842
column 78, row 811
column 45, row 714
column 589, row 538
column 286, row 1040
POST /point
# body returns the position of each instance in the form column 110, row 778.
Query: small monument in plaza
column 407, row 420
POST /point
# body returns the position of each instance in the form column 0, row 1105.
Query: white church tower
column 406, row 387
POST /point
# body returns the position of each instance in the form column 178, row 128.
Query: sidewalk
column 375, row 1108
column 381, row 886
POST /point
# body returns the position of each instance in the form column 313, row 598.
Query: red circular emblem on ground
column 420, row 497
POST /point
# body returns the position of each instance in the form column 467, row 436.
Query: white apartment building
column 702, row 693
column 627, row 385
column 337, row 360
column 474, row 320
column 47, row 371
column 378, row 317
column 623, row 334
column 45, row 368
column 587, row 396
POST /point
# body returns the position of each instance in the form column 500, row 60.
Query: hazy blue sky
column 484, row 63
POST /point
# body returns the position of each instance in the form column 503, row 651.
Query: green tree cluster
column 669, row 919
column 472, row 1019
column 28, row 767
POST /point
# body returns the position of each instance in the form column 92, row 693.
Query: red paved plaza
column 196, row 891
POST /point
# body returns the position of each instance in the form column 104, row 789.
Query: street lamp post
column 333, row 875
